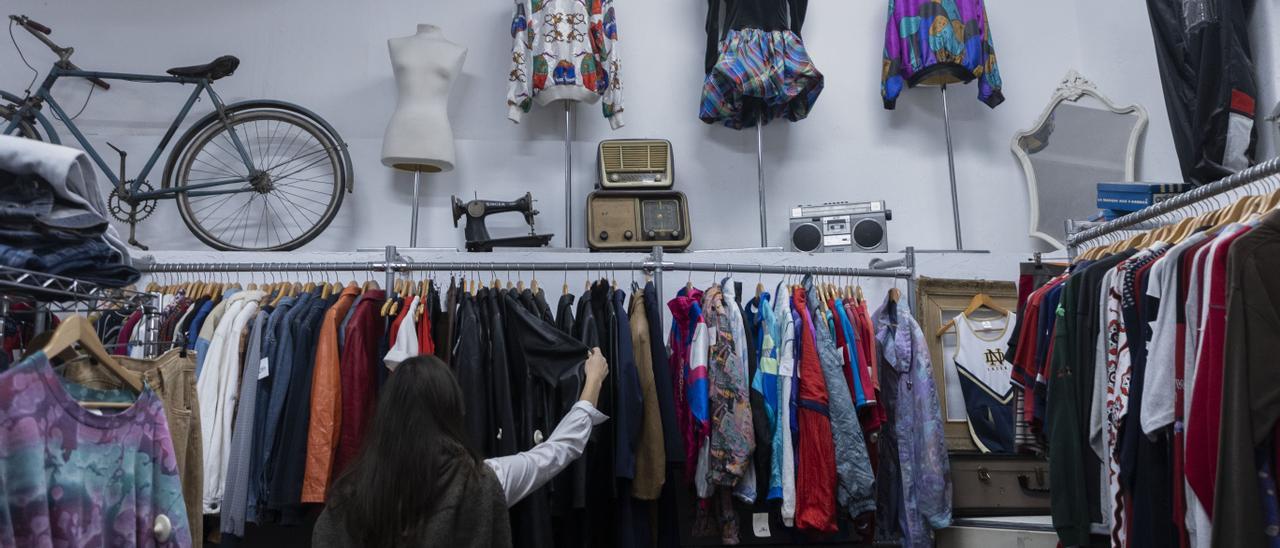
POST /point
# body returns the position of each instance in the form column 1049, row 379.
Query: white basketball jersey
column 980, row 359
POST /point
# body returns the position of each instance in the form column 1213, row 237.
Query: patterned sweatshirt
column 934, row 42
column 564, row 50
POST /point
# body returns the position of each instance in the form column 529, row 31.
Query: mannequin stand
column 951, row 167
column 413, row 223
column 764, row 228
column 568, row 173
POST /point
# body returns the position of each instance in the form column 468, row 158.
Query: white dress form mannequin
column 419, row 137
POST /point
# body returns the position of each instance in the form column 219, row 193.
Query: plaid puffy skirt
column 760, row 76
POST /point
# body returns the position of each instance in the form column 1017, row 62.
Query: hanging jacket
column 917, row 439
column 731, row 438
column 856, row 491
column 1210, row 87
column 783, row 445
column 564, row 313
column 326, row 401
column 547, row 376
column 672, row 441
column 816, row 469
column 564, row 50
column 746, row 488
column 651, row 458
column 686, row 315
column 935, row 42
column 697, row 385
column 468, row 364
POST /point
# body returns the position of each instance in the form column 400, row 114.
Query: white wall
column 330, row 55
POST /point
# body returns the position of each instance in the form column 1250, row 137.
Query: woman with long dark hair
column 416, row 483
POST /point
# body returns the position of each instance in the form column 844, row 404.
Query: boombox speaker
column 841, row 227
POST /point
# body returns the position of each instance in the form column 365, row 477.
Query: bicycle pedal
column 135, row 243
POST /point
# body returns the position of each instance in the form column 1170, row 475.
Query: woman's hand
column 597, row 369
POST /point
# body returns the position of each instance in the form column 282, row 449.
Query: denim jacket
column 916, row 420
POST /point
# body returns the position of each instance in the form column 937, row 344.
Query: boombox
column 841, row 227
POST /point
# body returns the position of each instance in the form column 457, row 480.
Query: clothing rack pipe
column 1252, row 175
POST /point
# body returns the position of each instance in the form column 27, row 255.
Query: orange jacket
column 326, row 401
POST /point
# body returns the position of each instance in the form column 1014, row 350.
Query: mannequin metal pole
column 764, row 228
column 568, row 173
column 413, row 224
column 951, row 166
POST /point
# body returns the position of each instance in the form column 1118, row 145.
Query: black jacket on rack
column 468, row 364
column 546, row 365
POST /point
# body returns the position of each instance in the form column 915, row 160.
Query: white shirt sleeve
column 524, row 473
column 406, row 339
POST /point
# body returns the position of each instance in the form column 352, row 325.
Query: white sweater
column 564, row 50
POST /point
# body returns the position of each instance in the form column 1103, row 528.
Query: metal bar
column 764, row 223
column 568, row 173
column 656, row 258
column 391, row 257
column 400, row 266
column 146, row 78
column 951, row 168
column 786, row 269
column 413, row 223
column 168, row 135
column 1269, row 168
column 186, row 188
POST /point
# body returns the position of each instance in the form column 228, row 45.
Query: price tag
column 760, row 525
column 264, row 368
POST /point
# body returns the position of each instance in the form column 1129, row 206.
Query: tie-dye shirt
column 73, row 477
column 935, row 42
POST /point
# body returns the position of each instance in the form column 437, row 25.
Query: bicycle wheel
column 23, row 129
column 290, row 197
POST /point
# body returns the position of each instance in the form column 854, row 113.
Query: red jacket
column 816, row 463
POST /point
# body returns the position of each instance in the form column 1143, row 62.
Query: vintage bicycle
column 256, row 175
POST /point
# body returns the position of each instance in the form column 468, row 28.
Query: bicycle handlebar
column 42, row 33
column 34, row 25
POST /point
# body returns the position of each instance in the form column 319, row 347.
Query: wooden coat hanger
column 979, row 301
column 78, row 330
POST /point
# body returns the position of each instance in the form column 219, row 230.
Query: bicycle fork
column 126, row 196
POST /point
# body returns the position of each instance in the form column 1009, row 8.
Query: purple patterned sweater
column 935, row 42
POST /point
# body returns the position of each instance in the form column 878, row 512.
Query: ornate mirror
column 1080, row 140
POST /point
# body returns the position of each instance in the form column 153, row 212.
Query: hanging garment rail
column 902, row 268
column 1253, row 175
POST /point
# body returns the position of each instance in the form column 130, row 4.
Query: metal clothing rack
column 51, row 293
column 1141, row 219
column 654, row 263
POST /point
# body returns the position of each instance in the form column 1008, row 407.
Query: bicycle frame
column 29, row 107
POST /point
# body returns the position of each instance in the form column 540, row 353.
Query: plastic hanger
column 78, row 330
column 979, row 301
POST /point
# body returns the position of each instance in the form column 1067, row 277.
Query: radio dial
column 604, row 234
column 628, row 235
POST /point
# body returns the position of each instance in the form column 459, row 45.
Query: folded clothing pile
column 52, row 217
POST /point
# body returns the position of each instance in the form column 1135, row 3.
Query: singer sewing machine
column 478, row 238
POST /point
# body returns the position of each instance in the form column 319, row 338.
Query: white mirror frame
column 1073, row 88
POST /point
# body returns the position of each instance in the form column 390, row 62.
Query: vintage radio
column 635, row 164
column 841, row 227
column 619, row 220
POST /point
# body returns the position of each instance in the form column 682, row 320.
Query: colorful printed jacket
column 686, row 317
column 564, row 50
column 935, row 42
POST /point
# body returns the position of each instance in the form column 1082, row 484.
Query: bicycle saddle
column 218, row 68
